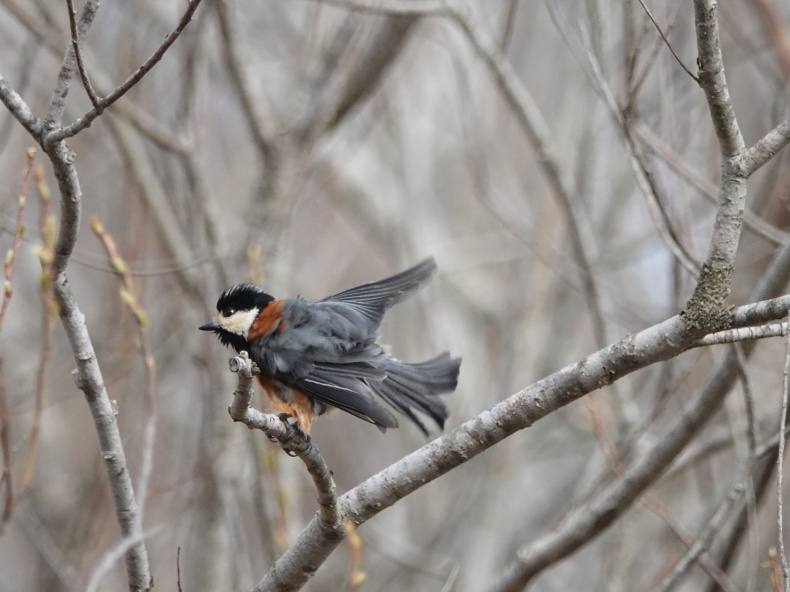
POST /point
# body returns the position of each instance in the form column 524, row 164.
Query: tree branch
column 261, row 128
column 743, row 334
column 592, row 520
column 75, row 45
column 666, row 41
column 57, row 103
column 765, row 148
column 310, row 550
column 20, row 109
column 713, row 80
column 707, row 307
column 703, row 542
column 295, row 444
column 86, row 120
column 88, row 374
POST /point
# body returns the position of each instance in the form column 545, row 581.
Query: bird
column 314, row 356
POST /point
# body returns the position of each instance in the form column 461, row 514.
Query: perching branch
column 293, row 442
column 658, row 343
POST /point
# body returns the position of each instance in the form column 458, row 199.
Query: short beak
column 212, row 326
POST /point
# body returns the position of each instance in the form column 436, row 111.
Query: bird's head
column 237, row 309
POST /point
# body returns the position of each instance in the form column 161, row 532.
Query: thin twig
column 765, row 148
column 112, row 556
column 642, row 174
column 5, row 414
column 653, row 504
column 178, row 568
column 6, row 478
column 19, row 230
column 705, row 537
column 75, row 44
column 129, row 298
column 666, row 41
column 49, row 315
column 86, row 120
column 743, row 334
column 356, row 575
column 707, row 189
column 780, row 469
column 748, row 400
column 259, row 125
column 57, row 103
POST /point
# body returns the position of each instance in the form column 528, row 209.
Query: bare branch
column 19, row 109
column 750, row 220
column 713, row 80
column 707, row 306
column 57, row 103
column 86, row 120
column 9, row 264
column 127, row 293
column 761, row 312
column 75, row 45
column 9, row 261
column 583, row 526
column 705, row 538
column 293, row 442
column 88, row 374
column 643, row 175
column 770, row 144
column 666, row 41
column 260, row 127
column 743, row 334
column 660, row 342
column 49, row 314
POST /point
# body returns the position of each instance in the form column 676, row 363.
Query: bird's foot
column 293, row 431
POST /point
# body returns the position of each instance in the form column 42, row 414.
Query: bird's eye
column 227, row 312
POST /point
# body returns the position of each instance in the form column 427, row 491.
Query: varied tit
column 317, row 355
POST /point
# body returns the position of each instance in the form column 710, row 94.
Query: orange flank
column 287, row 400
column 267, row 321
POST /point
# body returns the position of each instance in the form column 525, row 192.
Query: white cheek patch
column 239, row 322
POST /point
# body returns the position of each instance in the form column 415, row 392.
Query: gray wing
column 372, row 300
column 326, row 352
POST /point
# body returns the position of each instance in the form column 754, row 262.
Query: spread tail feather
column 414, row 387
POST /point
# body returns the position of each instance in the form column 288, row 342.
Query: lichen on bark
column 707, row 309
